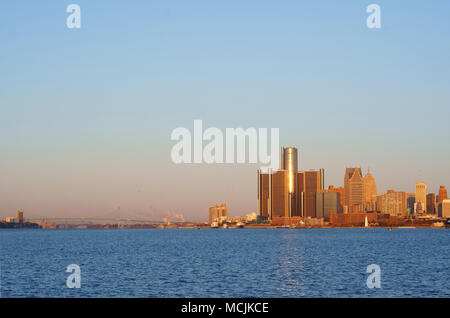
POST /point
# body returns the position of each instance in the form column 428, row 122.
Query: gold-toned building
column 280, row 194
column 310, row 183
column 444, row 208
column 287, row 193
column 442, row 193
column 354, row 188
column 264, row 201
column 217, row 211
column 289, row 163
column 370, row 189
column 392, row 203
column 273, row 194
column 421, row 197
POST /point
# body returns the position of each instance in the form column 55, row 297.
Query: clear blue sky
column 86, row 115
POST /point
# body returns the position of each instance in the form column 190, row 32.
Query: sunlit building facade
column 442, row 193
column 280, row 194
column 289, row 163
column 354, row 188
column 444, row 209
column 370, row 189
column 217, row 211
column 264, row 200
column 393, row 203
column 311, row 183
column 421, row 197
column 287, row 192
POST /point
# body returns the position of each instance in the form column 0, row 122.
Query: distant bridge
column 92, row 220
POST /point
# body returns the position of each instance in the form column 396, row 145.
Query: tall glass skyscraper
column 288, row 192
column 289, row 163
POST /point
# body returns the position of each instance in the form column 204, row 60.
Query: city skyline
column 86, row 115
column 289, row 196
column 322, row 186
column 215, row 157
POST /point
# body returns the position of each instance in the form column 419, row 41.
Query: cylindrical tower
column 289, row 162
column 259, row 194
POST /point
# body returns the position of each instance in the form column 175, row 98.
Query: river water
column 225, row 263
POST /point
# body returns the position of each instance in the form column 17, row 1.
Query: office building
column 273, row 194
column 421, row 197
column 410, row 202
column 289, row 163
column 442, row 193
column 288, row 193
column 366, row 207
column 444, row 209
column 264, row 201
column 354, row 188
column 431, row 203
column 370, row 189
column 309, row 184
column 393, row 203
column 280, row 195
column 218, row 211
column 327, row 202
column 339, row 190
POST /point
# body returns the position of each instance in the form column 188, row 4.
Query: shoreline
column 229, row 228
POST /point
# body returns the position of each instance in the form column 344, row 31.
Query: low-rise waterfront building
column 218, row 211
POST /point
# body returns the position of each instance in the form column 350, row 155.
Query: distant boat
column 366, row 223
column 239, row 225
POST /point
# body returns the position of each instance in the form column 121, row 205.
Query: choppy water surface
column 225, row 263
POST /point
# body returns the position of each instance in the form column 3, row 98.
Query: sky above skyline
column 86, row 114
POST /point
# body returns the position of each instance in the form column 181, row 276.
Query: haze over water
column 86, row 115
